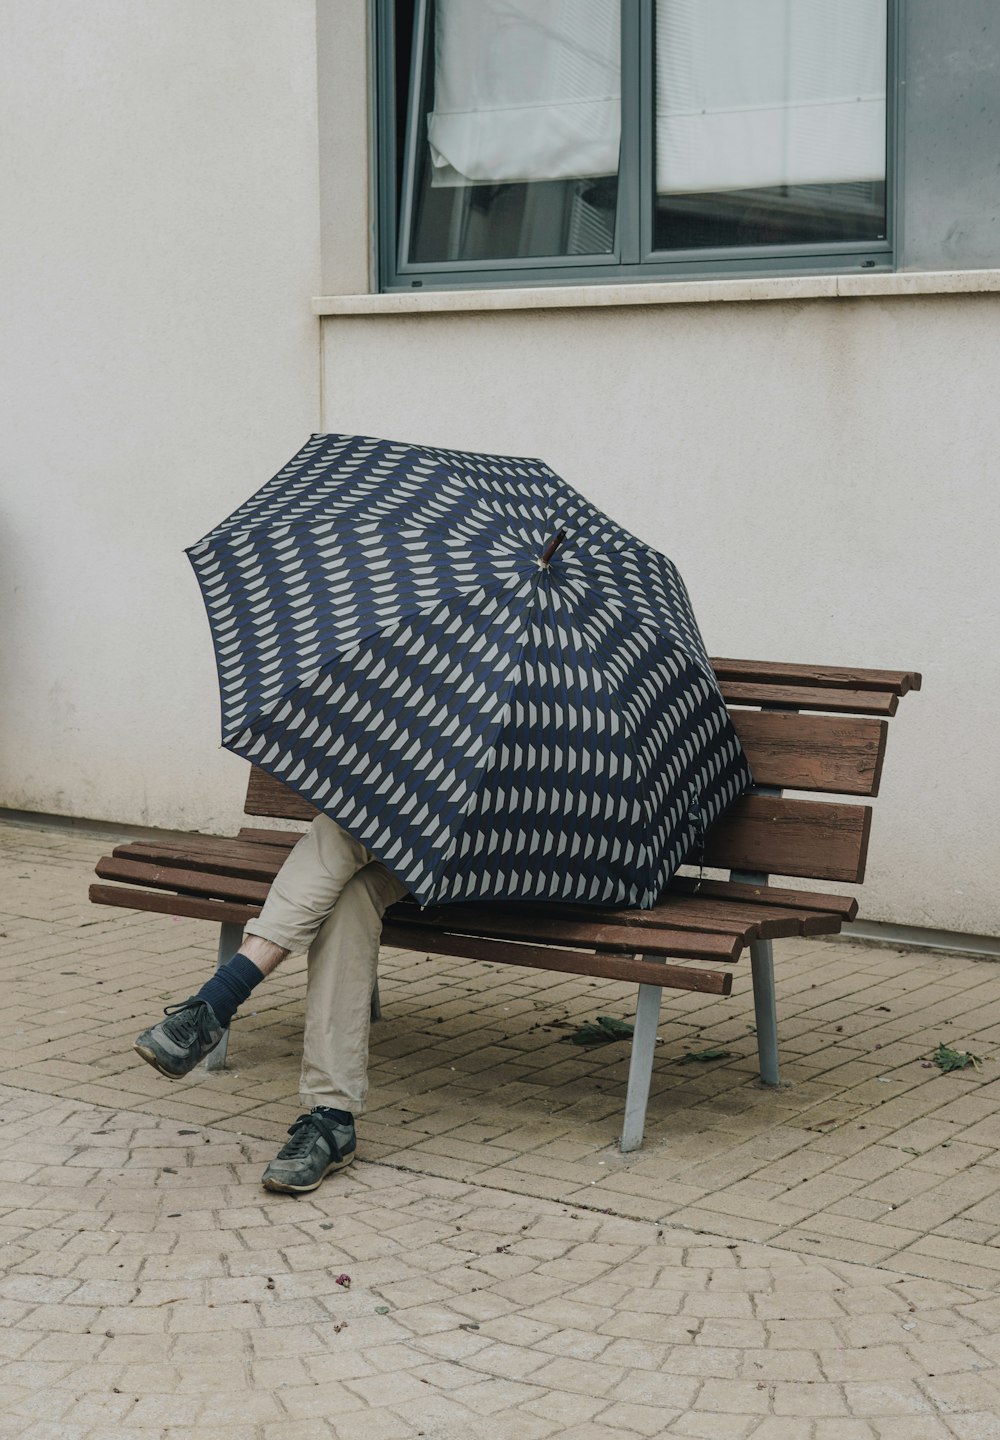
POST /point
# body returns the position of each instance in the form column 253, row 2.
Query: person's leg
column 343, row 963
column 303, row 894
column 343, row 966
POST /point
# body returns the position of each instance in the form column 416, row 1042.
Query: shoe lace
column 188, row 1021
column 306, row 1130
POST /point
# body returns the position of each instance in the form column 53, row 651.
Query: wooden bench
column 804, row 728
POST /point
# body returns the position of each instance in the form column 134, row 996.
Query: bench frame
column 805, row 728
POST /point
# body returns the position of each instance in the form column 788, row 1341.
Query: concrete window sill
column 674, row 292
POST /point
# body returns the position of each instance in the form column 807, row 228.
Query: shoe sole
column 151, row 1058
column 281, row 1187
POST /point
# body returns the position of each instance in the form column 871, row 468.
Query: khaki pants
column 328, row 899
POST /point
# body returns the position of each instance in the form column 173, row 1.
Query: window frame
column 629, row 262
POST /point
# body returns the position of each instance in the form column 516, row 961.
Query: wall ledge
column 879, row 284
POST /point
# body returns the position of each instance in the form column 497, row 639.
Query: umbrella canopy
column 488, row 683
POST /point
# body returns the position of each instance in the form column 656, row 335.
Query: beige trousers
column 328, row 899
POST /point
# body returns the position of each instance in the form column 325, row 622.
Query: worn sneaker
column 176, row 1044
column 317, row 1146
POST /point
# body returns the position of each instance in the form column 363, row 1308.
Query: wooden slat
column 839, row 756
column 680, row 911
column 480, row 915
column 249, row 862
column 268, row 796
column 187, row 882
column 188, row 906
column 843, row 907
column 806, row 697
column 899, row 682
column 287, row 838
column 413, row 937
column 774, row 922
column 724, row 943
column 572, row 962
column 819, row 840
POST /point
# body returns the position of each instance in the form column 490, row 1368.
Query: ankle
column 331, row 1116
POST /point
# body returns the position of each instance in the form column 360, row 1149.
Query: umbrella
column 491, row 685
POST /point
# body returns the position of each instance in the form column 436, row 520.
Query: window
column 525, row 142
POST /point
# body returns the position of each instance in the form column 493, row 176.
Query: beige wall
column 159, row 237
column 822, row 471
column 823, row 474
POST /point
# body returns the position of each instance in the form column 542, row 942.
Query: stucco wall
column 159, row 237
column 821, row 472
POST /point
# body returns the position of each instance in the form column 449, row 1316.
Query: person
column 327, row 899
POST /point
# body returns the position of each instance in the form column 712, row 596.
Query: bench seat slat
column 250, row 862
column 767, row 919
column 773, row 922
column 184, row 882
column 680, row 912
column 819, row 840
column 844, row 907
column 723, row 943
column 189, row 906
column 806, row 697
column 608, row 967
column 899, row 682
column 287, row 838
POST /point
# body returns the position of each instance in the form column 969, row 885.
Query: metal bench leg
column 230, row 939
column 376, row 1013
column 640, row 1070
column 765, row 1010
column 762, row 967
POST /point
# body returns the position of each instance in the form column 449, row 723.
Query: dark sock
column 230, row 986
column 334, row 1117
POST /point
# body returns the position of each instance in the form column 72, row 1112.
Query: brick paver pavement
column 819, row 1262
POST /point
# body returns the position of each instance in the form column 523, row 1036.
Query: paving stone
column 805, row 1305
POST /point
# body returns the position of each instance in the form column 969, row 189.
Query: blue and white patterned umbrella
column 491, row 685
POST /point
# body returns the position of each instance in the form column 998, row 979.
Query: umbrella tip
column 551, row 548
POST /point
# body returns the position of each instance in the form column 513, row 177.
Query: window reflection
column 770, row 122
column 514, row 129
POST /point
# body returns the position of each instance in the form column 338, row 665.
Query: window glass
column 770, row 122
column 512, row 131
column 533, row 141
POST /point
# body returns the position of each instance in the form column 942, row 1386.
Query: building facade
column 228, row 226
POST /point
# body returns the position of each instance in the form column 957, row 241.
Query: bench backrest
column 803, row 728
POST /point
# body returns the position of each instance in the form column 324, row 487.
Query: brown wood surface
column 818, row 840
column 842, row 907
column 251, row 862
column 680, row 910
column 189, row 906
column 899, row 682
column 806, row 697
column 268, row 796
column 250, row 836
column 828, row 753
column 184, row 882
column 773, row 922
column 608, row 967
column 496, row 923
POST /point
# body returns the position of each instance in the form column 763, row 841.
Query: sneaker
column 317, row 1146
column 176, row 1044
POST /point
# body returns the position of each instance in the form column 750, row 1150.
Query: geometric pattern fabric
column 390, row 645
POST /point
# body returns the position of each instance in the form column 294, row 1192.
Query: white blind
column 525, row 90
column 753, row 93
